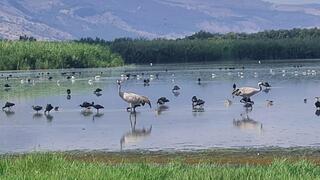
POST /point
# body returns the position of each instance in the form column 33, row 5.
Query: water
column 288, row 123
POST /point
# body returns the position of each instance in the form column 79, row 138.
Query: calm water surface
column 288, row 123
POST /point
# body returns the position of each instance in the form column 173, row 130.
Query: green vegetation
column 57, row 166
column 204, row 46
column 25, row 55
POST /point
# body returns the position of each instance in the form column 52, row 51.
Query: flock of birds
column 135, row 100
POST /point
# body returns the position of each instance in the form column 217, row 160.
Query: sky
column 294, row 1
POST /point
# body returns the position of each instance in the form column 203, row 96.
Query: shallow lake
column 289, row 122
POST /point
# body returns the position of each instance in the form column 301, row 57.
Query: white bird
column 97, row 78
column 247, row 91
column 133, row 99
column 227, row 102
column 90, row 82
column 58, row 82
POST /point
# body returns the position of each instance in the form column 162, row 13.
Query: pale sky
column 294, row 1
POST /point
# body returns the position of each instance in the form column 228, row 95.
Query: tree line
column 206, row 46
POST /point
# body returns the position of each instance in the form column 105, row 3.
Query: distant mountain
column 108, row 19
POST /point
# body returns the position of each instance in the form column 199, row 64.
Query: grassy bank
column 25, row 55
column 67, row 166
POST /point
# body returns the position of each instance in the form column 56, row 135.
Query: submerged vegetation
column 57, row 166
column 27, row 54
column 205, row 46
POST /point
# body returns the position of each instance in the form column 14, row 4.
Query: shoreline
column 221, row 156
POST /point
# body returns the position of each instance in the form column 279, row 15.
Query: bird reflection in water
column 267, row 90
column 37, row 115
column 9, row 113
column 176, row 93
column 97, row 115
column 135, row 135
column 86, row 113
column 49, row 117
column 68, row 96
column 161, row 109
column 247, row 123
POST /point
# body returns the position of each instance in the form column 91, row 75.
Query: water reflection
column 9, row 113
column 86, row 112
column 161, row 108
column 68, row 96
column 176, row 93
column 267, row 90
column 97, row 115
column 247, row 123
column 37, row 115
column 135, row 135
column 49, row 117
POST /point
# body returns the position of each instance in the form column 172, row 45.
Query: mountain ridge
column 109, row 19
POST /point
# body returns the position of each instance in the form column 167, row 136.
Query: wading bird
column 317, row 103
column 247, row 91
column 227, row 102
column 234, row 86
column 133, row 99
column 197, row 102
column 162, row 100
column 86, row 105
column 8, row 105
column 98, row 90
column 49, row 107
column 37, row 108
column 97, row 107
column 175, row 88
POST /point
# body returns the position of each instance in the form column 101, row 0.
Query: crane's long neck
column 119, row 91
column 260, row 87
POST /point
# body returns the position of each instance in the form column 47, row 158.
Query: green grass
column 57, row 166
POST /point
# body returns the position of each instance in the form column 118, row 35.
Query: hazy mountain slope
column 65, row 19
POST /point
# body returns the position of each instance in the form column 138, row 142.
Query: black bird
column 199, row 81
column 175, row 88
column 305, row 100
column 97, row 107
column 37, row 108
column 98, row 90
column 146, row 82
column 50, row 78
column 266, row 84
column 49, row 107
column 68, row 91
column 162, row 100
column 234, row 86
column 197, row 102
column 68, row 77
column 86, row 105
column 7, row 86
column 8, row 105
column 317, row 104
column 56, row 108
